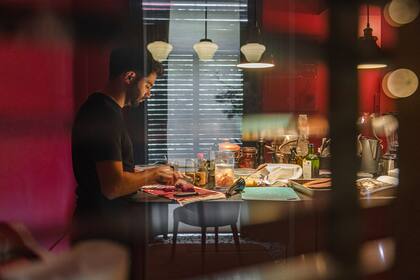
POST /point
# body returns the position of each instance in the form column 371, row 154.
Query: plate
column 402, row 83
column 385, row 86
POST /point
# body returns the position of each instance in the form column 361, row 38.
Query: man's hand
column 165, row 174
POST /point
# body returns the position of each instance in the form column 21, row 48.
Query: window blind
column 195, row 104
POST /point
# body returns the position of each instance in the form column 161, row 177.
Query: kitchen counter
column 305, row 215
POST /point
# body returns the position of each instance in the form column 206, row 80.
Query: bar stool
column 206, row 214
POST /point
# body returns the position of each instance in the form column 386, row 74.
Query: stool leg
column 203, row 239
column 175, row 233
column 203, row 247
column 235, row 236
column 236, row 240
column 216, row 238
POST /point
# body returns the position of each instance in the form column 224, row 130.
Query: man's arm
column 116, row 182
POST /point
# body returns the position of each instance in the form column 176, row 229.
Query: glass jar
column 224, row 166
column 231, row 147
column 190, row 169
column 248, row 157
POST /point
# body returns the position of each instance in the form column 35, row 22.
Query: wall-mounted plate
column 403, row 11
column 385, row 86
column 402, row 83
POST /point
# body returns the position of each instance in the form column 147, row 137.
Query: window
column 195, row 103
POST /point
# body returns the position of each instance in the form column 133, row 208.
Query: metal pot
column 370, row 152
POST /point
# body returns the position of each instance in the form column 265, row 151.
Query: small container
column 190, row 169
column 224, row 166
column 231, row 147
column 386, row 164
column 248, row 157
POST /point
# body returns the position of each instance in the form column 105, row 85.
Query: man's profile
column 102, row 151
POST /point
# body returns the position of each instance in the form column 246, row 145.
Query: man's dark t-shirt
column 99, row 134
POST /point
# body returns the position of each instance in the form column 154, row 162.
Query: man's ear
column 129, row 77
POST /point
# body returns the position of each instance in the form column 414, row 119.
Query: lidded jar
column 248, row 157
column 227, row 146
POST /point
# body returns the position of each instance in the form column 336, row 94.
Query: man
column 102, row 151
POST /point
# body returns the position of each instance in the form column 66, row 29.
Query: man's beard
column 133, row 99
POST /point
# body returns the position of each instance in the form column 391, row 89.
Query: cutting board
column 270, row 193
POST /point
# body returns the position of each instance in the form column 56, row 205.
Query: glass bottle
column 293, row 154
column 310, row 164
column 202, row 174
column 303, row 136
column 260, row 156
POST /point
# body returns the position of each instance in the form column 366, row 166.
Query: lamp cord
column 205, row 22
column 367, row 8
column 256, row 20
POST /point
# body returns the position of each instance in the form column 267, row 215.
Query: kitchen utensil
column 236, row 188
column 370, row 152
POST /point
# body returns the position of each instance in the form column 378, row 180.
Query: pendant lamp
column 205, row 49
column 160, row 50
column 371, row 56
column 254, row 51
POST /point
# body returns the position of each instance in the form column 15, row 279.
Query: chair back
column 214, row 213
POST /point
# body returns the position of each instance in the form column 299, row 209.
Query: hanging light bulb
column 205, row 49
column 160, row 50
column 370, row 53
column 254, row 52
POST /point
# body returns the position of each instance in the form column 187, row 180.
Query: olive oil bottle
column 310, row 164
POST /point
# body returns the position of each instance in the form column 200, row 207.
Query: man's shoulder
column 98, row 104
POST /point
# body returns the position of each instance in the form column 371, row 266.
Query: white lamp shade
column 253, row 51
column 160, row 50
column 205, row 49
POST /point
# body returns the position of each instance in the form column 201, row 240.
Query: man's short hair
column 122, row 60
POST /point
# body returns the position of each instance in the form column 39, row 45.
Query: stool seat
column 206, row 214
column 209, row 214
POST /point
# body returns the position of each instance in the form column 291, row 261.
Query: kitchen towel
column 270, row 193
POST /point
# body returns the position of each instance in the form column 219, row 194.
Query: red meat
column 184, row 186
column 169, row 189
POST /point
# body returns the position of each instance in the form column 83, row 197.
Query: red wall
column 90, row 70
column 286, row 89
column 36, row 85
column 371, row 95
column 44, row 76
